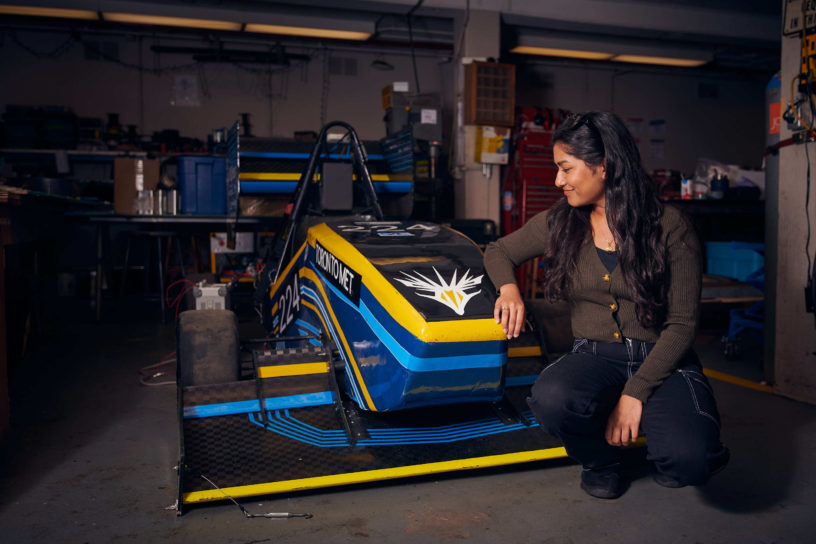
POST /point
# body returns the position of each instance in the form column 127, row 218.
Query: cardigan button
column 613, row 307
column 606, row 277
column 616, row 334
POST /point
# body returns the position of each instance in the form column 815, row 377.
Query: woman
column 630, row 269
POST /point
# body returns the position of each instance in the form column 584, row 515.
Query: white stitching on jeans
column 546, row 368
column 685, row 373
column 698, row 377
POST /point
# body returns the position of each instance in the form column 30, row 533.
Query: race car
column 381, row 357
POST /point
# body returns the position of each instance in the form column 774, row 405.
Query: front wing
column 289, row 431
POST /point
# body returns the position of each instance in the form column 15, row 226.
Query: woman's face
column 583, row 184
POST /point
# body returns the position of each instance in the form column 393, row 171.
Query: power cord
column 146, row 377
column 269, row 515
column 179, row 298
column 810, row 287
column 411, row 40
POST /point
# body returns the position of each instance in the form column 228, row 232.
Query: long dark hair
column 632, row 211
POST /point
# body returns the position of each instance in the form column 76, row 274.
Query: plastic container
column 202, row 183
column 733, row 259
column 685, row 189
column 719, row 185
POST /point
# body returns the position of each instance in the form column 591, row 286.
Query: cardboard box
column 131, row 175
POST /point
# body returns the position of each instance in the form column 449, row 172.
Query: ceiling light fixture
column 593, row 47
column 60, row 13
column 161, row 20
column 664, row 61
column 567, row 53
column 382, row 65
column 286, row 23
column 309, row 32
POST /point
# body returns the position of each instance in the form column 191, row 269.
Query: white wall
column 728, row 128
column 280, row 101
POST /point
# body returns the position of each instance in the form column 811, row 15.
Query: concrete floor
column 91, row 451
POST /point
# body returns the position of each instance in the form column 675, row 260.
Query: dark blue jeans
column 573, row 398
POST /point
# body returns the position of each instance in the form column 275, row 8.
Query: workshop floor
column 91, row 451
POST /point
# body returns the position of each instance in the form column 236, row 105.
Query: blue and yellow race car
column 381, row 360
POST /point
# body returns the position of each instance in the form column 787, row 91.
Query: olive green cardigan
column 596, row 295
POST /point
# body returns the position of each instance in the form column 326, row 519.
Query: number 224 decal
column 289, row 303
column 384, row 227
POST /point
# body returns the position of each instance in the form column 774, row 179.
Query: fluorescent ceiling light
column 286, row 24
column 665, row 61
column 592, row 47
column 171, row 21
column 310, row 32
column 569, row 53
column 49, row 12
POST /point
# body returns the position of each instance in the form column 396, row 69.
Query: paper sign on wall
column 427, row 116
column 492, row 145
column 185, row 91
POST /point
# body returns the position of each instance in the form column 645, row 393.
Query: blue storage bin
column 733, row 259
column 202, row 182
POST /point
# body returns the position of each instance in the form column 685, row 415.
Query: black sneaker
column 603, row 483
column 666, row 481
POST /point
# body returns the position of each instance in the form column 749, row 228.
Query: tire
column 207, row 350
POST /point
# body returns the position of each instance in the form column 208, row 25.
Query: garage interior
column 98, row 93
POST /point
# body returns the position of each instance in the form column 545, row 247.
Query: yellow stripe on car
column 299, row 369
column 399, row 308
column 318, row 482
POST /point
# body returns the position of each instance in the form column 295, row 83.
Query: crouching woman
column 630, row 269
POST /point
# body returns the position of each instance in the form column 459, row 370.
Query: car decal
column 452, row 294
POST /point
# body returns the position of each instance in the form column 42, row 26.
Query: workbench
column 159, row 227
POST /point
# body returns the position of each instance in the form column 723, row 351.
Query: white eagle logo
column 452, row 294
